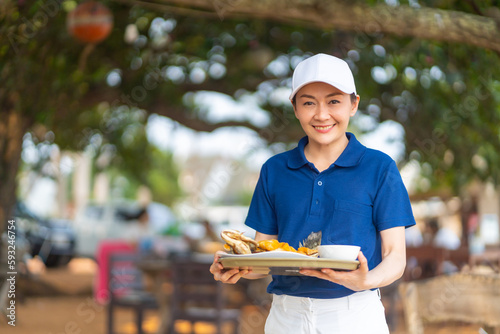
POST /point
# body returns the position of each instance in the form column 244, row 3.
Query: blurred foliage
column 446, row 96
column 244, row 198
column 163, row 178
column 125, row 150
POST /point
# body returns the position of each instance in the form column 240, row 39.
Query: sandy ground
column 61, row 303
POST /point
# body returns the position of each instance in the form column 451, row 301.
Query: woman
column 334, row 184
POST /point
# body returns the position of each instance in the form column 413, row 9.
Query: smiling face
column 324, row 112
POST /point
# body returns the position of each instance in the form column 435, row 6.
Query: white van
column 115, row 220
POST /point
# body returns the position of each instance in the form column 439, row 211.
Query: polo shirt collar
column 351, row 156
column 297, row 158
column 353, row 152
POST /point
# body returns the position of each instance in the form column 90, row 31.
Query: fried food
column 269, row 245
column 239, row 244
column 308, row 251
column 272, row 245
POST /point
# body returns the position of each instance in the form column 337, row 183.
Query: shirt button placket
column 320, row 183
column 317, row 196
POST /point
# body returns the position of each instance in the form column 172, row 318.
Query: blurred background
column 147, row 122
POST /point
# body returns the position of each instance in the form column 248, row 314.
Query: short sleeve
column 392, row 206
column 261, row 214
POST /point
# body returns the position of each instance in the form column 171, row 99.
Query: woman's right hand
column 230, row 276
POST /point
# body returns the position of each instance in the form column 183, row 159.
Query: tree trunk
column 12, row 130
column 425, row 23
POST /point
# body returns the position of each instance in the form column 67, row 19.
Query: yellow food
column 286, row 247
column 269, row 245
column 307, row 251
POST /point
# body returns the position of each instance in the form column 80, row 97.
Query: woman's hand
column 390, row 269
column 356, row 280
column 230, row 276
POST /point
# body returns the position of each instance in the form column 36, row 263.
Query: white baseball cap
column 323, row 68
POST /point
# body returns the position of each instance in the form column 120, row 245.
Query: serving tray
column 282, row 263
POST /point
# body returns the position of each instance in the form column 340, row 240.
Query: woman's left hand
column 356, row 280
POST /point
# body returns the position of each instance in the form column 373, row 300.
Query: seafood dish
column 237, row 243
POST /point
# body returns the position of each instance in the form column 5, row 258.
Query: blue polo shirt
column 353, row 200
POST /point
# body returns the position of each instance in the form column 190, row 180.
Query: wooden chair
column 423, row 262
column 197, row 297
column 427, row 261
column 126, row 288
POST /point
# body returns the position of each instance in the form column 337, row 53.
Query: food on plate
column 271, row 245
column 312, row 241
column 308, row 251
column 237, row 243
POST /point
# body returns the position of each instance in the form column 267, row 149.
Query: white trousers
column 359, row 313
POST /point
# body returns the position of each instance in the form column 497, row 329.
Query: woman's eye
column 334, row 101
column 308, row 103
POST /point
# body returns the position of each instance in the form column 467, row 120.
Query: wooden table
column 158, row 269
column 489, row 256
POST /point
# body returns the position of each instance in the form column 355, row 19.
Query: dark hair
column 353, row 98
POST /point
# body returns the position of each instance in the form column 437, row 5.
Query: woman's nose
column 322, row 112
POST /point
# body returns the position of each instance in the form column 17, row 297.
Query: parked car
column 51, row 239
column 116, row 220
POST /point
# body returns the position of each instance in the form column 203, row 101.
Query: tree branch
column 475, row 7
column 280, row 128
column 186, row 118
column 424, row 23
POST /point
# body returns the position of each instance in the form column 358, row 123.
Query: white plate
column 271, row 254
